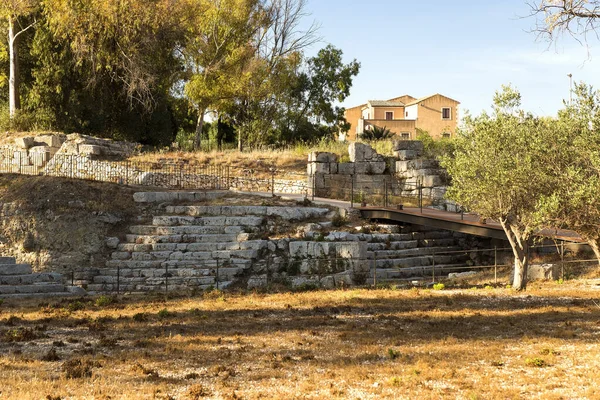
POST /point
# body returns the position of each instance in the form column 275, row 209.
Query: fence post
column 562, row 260
column 272, row 183
column 352, row 191
column 421, row 196
column 268, row 268
column 166, row 279
column 433, row 269
column 217, row 277
column 375, row 269
column 72, row 278
column 118, row 278
column 385, row 198
column 495, row 264
column 313, row 185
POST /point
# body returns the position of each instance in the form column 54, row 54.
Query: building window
column 407, row 114
column 405, row 135
column 389, row 115
column 446, row 135
column 446, row 113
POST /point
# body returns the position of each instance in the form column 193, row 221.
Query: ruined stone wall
column 370, row 175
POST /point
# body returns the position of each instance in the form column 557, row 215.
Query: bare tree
column 576, row 18
column 14, row 11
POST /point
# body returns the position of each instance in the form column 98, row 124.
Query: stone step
column 7, row 260
column 29, row 279
column 399, row 273
column 182, row 286
column 162, row 197
column 37, row 295
column 417, row 251
column 35, row 288
column 413, row 261
column 170, row 220
column 408, row 244
column 184, row 255
column 288, row 213
column 246, row 245
column 208, row 238
column 15, row 269
column 110, row 275
column 171, row 264
column 186, row 230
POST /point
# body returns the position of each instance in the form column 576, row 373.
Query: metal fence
column 567, row 261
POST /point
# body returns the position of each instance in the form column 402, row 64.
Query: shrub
column 535, row 362
column 439, row 286
column 76, row 368
column 376, row 133
column 103, row 301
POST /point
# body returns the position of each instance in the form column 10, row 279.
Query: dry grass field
column 478, row 343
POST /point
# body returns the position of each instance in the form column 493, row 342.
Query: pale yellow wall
column 395, row 126
column 430, row 116
column 379, row 112
column 352, row 116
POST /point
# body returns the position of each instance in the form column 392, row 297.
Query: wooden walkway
column 466, row 223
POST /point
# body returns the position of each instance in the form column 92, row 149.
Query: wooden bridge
column 465, row 223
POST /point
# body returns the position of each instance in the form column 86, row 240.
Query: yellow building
column 436, row 114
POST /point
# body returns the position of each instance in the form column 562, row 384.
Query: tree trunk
column 520, row 247
column 197, row 139
column 595, row 245
column 14, row 100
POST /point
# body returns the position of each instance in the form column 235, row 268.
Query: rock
column 25, row 142
column 458, row 275
column 362, row 152
column 414, row 145
column 90, row 149
column 542, row 272
column 51, row 140
column 76, row 290
column 259, row 281
column 112, row 242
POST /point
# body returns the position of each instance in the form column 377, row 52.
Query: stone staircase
column 410, row 255
column 192, row 247
column 18, row 280
column 416, row 254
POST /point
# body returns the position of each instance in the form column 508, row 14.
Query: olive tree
column 499, row 170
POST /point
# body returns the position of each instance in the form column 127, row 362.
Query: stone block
column 15, row 269
column 90, row 150
column 546, row 272
column 7, row 260
column 51, row 140
column 360, row 152
column 414, row 145
column 432, row 180
column 345, row 168
column 144, row 197
column 354, row 250
column 25, row 142
column 404, row 155
column 322, row 157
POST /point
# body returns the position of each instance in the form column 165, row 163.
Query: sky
column 463, row 49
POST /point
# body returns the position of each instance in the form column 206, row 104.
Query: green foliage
column 104, row 301
column 376, row 133
column 439, row 286
column 536, row 362
column 501, row 169
column 164, row 313
column 435, row 149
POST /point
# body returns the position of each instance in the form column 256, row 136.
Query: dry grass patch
column 367, row 344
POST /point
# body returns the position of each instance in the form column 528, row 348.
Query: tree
column 573, row 202
column 499, row 170
column 218, row 52
column 577, row 18
column 15, row 12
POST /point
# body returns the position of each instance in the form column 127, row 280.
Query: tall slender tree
column 15, row 12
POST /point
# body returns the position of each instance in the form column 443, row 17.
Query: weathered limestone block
column 51, row 140
column 90, row 149
column 354, row 250
column 414, row 145
column 363, row 152
column 542, row 272
column 432, row 180
column 404, row 155
column 15, row 269
column 25, row 142
column 346, row 168
column 322, row 157
column 318, row 168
